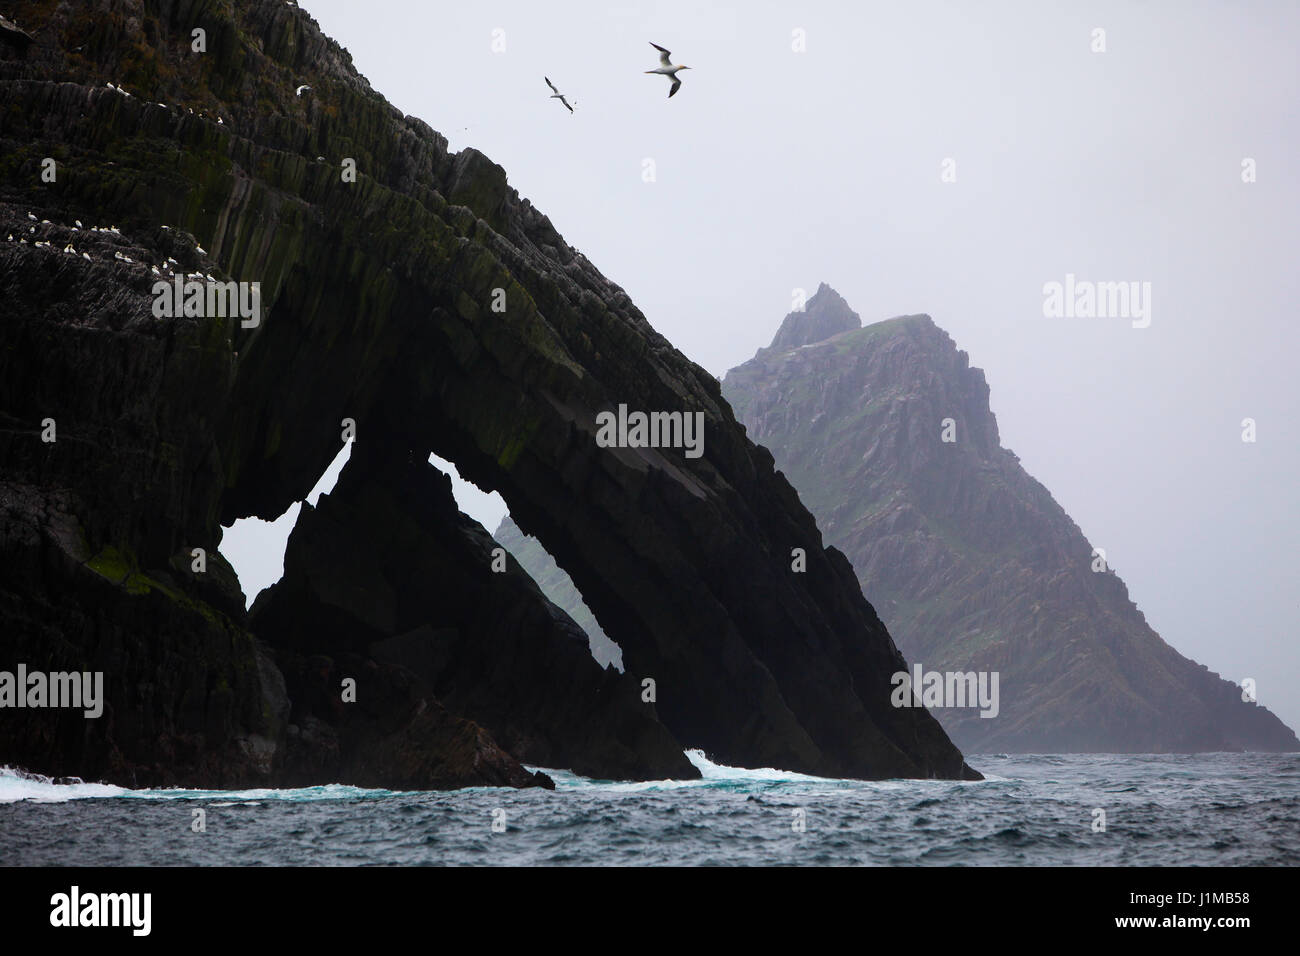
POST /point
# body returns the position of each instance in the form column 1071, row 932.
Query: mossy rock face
column 180, row 682
column 112, row 564
column 480, row 184
column 120, row 568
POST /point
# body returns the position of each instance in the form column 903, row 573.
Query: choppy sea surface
column 1205, row 809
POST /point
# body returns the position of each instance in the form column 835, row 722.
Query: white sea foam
column 18, row 785
column 722, row 777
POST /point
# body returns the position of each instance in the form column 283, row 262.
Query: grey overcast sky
column 776, row 169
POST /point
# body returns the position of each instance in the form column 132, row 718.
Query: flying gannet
column 667, row 69
column 556, row 94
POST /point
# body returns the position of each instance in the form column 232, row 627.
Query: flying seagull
column 667, row 69
column 556, row 94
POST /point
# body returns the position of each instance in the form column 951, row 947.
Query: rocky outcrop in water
column 971, row 562
column 411, row 293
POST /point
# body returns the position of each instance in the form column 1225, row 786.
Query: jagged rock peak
column 970, row 562
column 822, row 316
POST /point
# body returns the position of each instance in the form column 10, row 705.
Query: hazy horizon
column 777, row 169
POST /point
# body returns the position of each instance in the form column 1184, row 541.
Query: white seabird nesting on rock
column 667, row 69
column 556, row 94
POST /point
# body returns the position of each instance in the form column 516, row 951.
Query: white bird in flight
column 556, row 94
column 667, row 69
column 302, row 89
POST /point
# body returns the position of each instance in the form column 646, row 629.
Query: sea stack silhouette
column 419, row 306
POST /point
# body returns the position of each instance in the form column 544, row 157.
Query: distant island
column 970, row 562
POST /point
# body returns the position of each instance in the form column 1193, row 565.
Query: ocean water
column 1204, row 810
